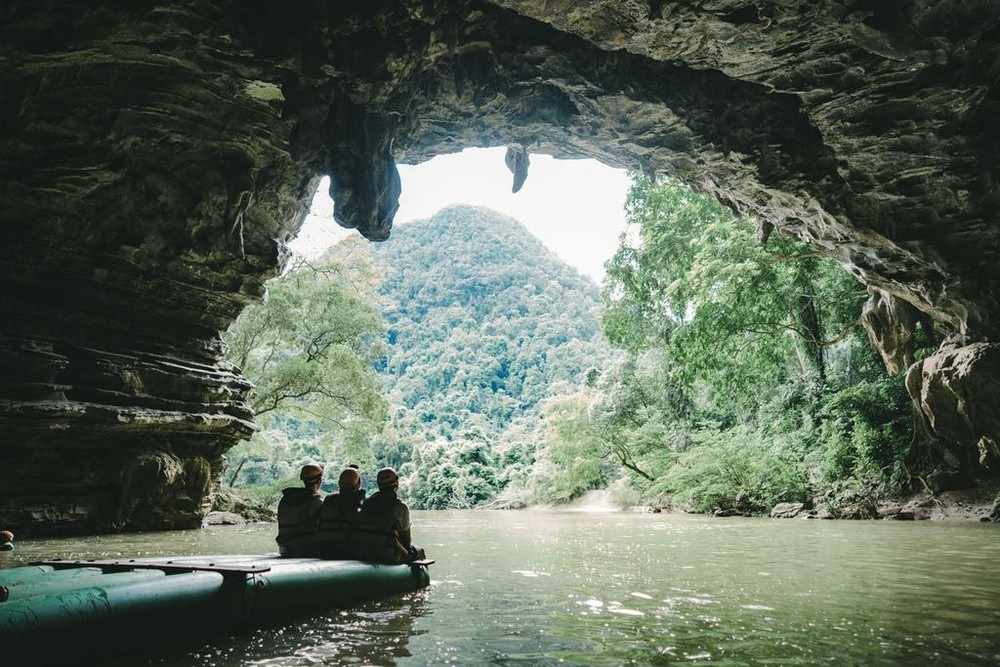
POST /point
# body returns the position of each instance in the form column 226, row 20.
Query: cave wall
column 145, row 177
column 155, row 156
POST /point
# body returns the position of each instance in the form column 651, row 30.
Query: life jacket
column 377, row 537
column 336, row 524
column 297, row 515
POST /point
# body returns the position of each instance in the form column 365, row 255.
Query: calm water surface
column 580, row 588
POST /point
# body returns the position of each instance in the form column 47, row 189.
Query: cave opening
column 796, row 316
column 574, row 209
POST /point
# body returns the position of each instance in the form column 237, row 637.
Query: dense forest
column 478, row 326
column 718, row 368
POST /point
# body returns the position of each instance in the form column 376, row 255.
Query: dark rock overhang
column 155, row 156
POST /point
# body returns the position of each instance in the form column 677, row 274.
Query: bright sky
column 575, row 207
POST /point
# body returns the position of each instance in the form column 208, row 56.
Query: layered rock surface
column 155, row 156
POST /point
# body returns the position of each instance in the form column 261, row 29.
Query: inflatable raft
column 118, row 606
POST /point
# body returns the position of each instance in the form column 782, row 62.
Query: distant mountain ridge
column 483, row 319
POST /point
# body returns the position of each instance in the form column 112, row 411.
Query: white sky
column 575, row 207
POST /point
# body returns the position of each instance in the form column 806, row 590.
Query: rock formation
column 155, row 156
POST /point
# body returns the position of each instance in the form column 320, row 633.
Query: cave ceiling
column 155, row 157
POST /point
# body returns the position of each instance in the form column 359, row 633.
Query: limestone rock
column 216, row 518
column 787, row 510
column 957, row 394
column 890, row 323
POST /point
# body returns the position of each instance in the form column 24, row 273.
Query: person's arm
column 310, row 521
column 403, row 529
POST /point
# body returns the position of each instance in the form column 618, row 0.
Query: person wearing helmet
column 338, row 517
column 6, row 540
column 384, row 528
column 297, row 512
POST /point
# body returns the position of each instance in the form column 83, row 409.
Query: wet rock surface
column 155, row 156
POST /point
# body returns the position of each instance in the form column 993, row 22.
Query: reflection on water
column 376, row 633
column 546, row 588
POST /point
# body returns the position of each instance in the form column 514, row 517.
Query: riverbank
column 978, row 504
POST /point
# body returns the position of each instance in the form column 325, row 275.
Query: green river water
column 589, row 588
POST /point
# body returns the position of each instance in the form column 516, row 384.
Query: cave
column 155, row 157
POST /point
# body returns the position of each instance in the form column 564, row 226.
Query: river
column 614, row 588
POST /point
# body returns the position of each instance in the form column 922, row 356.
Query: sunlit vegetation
column 717, row 372
column 749, row 379
column 310, row 349
column 484, row 326
column 481, row 325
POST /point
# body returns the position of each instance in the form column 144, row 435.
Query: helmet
column 386, row 477
column 311, row 472
column 350, row 479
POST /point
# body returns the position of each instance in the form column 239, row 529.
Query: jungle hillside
column 719, row 368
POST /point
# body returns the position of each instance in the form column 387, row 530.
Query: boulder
column 787, row 510
column 223, row 519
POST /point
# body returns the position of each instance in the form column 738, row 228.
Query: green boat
column 121, row 606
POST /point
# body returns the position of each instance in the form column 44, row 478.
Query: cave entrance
column 727, row 372
column 528, row 302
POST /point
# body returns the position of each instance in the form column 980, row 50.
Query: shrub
column 735, row 469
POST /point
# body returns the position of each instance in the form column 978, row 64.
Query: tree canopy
column 757, row 348
column 310, row 349
column 465, row 354
column 484, row 325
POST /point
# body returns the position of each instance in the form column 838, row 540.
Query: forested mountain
column 481, row 325
column 484, row 326
column 482, row 320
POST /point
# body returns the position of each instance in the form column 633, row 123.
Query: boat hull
column 135, row 604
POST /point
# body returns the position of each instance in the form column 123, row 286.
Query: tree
column 461, row 473
column 572, row 456
column 733, row 315
column 641, row 414
column 310, row 349
column 753, row 392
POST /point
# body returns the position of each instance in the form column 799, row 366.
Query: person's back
column 338, row 517
column 297, row 513
column 383, row 533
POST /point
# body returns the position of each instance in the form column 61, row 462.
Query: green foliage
column 734, row 469
column 762, row 386
column 642, row 411
column 865, row 433
column 732, row 315
column 454, row 474
column 572, row 460
column 484, row 324
column 482, row 320
column 744, row 379
column 309, row 349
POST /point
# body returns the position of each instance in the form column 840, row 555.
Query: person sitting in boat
column 6, row 540
column 383, row 533
column 297, row 513
column 338, row 517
